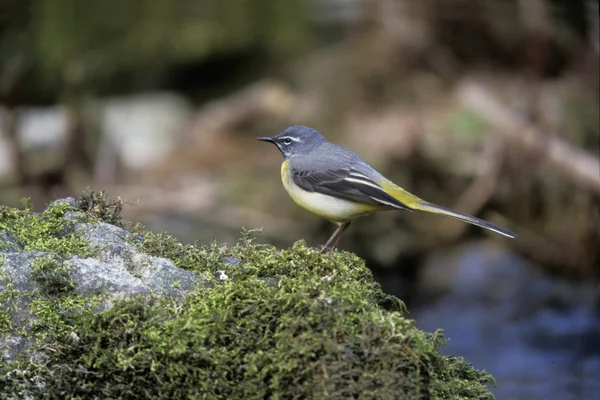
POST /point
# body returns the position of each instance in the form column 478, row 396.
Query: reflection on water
column 538, row 336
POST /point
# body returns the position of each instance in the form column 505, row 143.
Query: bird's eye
column 287, row 140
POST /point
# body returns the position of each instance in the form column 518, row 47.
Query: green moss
column 54, row 306
column 52, row 276
column 43, row 231
column 4, row 246
column 7, row 296
column 56, row 317
column 290, row 323
column 319, row 333
column 47, row 232
column 191, row 257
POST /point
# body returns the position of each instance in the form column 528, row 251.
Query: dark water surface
column 538, row 336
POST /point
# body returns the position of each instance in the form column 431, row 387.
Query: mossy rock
column 270, row 324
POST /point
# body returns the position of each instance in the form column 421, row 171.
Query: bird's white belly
column 329, row 207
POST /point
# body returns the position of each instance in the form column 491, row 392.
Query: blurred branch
column 578, row 165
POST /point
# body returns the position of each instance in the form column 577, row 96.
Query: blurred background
column 488, row 107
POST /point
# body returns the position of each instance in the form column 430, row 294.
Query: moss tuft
column 52, row 276
column 99, row 206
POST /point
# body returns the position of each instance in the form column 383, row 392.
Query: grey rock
column 117, row 253
column 102, row 234
column 67, row 200
column 119, row 272
column 159, row 274
column 71, row 218
column 74, row 216
column 8, row 244
column 232, row 261
column 16, row 271
column 162, row 276
column 271, row 280
column 94, row 277
column 11, row 345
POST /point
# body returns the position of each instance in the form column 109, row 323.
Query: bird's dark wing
column 347, row 184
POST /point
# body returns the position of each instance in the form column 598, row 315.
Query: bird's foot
column 326, row 249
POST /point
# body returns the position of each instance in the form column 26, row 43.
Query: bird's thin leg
column 339, row 236
column 331, row 238
column 335, row 237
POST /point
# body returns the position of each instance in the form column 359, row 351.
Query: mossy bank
column 93, row 309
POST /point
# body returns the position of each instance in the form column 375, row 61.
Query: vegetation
column 277, row 324
column 43, row 231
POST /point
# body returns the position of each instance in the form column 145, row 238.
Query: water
column 538, row 336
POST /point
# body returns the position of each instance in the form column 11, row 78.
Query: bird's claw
column 326, row 249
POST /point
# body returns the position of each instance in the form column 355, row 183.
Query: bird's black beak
column 266, row 139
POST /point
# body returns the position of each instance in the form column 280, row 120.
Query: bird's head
column 295, row 140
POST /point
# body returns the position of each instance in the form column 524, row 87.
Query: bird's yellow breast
column 329, row 207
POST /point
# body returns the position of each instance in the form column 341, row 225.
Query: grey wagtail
column 334, row 183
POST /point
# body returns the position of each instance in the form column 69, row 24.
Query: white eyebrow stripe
column 297, row 140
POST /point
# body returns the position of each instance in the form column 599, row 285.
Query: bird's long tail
column 434, row 208
column 415, row 203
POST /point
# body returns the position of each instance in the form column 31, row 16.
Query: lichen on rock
column 86, row 313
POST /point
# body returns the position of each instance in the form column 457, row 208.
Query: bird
column 334, row 183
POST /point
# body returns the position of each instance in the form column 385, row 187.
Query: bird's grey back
column 329, row 156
